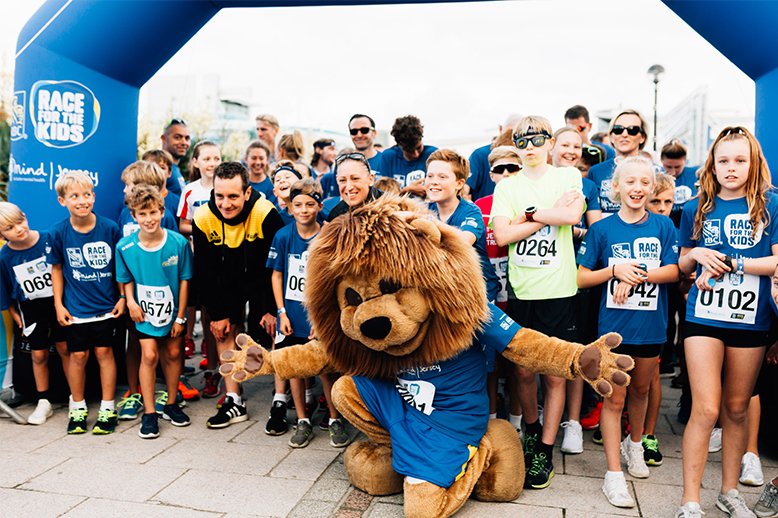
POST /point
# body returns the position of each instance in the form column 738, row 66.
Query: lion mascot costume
column 398, row 305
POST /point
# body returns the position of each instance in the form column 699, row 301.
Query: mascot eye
column 353, row 298
column 389, row 285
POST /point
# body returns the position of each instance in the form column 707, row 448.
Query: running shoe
column 767, row 506
column 540, row 472
column 189, row 348
column 636, row 463
column 751, row 470
column 149, row 426
column 106, row 422
column 715, row 440
column 302, row 435
column 666, row 371
column 689, row 510
column 276, row 424
column 187, row 390
column 734, row 505
column 592, row 420
column 77, row 422
column 651, row 452
column 212, row 384
column 228, row 414
column 203, row 363
column 324, row 425
column 221, row 401
column 129, row 407
column 615, row 489
column 175, row 415
column 338, row 436
column 530, row 442
column 160, row 401
column 573, row 439
column 597, row 436
column 42, row 412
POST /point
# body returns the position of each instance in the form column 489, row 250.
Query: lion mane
column 374, row 241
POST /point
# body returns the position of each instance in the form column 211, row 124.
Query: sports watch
column 529, row 213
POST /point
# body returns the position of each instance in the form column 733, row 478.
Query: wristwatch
column 529, row 213
column 181, row 321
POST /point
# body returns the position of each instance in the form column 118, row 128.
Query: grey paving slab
column 385, row 510
column 573, row 492
column 336, row 470
column 221, row 457
column 105, row 479
column 238, row 493
column 304, row 464
column 662, row 501
column 18, row 503
column 256, row 435
column 98, row 507
column 476, row 509
column 391, row 499
column 313, row 509
column 20, row 467
column 328, row 490
column 27, row 438
column 119, row 447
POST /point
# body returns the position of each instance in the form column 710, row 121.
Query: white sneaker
column 636, row 462
column 573, row 440
column 734, row 505
column 751, row 470
column 715, row 441
column 615, row 489
column 42, row 412
column 689, row 510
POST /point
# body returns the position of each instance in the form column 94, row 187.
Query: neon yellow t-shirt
column 542, row 266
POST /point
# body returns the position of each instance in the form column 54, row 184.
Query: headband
column 324, row 144
column 289, row 168
column 296, row 192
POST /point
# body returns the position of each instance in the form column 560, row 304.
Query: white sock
column 333, row 420
column 70, row 402
column 304, row 420
column 493, row 416
column 613, row 474
column 235, row 398
column 515, row 420
column 308, row 396
column 635, row 444
column 107, row 405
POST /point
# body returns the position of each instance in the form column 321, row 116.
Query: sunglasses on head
column 537, row 140
column 737, row 130
column 176, row 122
column 631, row 130
column 594, row 151
column 365, row 130
column 359, row 157
column 506, row 168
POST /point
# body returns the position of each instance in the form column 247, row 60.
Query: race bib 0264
column 540, row 250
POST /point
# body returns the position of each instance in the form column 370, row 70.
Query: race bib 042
column 642, row 297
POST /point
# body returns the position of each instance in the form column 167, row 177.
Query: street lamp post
column 655, row 71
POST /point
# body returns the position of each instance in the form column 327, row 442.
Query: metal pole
column 656, row 90
column 12, row 413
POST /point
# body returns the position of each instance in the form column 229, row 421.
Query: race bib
column 35, row 278
column 642, row 297
column 295, row 278
column 540, row 250
column 734, row 298
column 419, row 394
column 157, row 304
column 500, row 265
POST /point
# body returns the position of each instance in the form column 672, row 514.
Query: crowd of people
column 578, row 235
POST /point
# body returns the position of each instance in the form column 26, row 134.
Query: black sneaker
column 666, row 371
column 77, row 423
column 651, row 451
column 106, row 422
column 530, row 441
column 338, row 436
column 540, row 472
column 276, row 425
column 597, row 436
column 228, row 414
column 302, row 436
column 149, row 426
column 175, row 415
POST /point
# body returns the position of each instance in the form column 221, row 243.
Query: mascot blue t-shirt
column 437, row 414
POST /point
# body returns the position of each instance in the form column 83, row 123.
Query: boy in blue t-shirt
column 165, row 162
column 153, row 267
column 26, row 292
column 288, row 257
column 86, row 297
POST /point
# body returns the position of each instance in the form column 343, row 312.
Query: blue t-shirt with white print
column 265, row 187
column 394, row 165
column 643, row 321
column 481, row 184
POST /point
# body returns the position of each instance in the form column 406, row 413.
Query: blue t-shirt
column 468, row 217
column 328, row 205
column 175, row 183
column 736, row 299
column 128, row 225
column 652, row 240
column 602, row 176
column 329, row 185
column 592, row 202
column 610, row 153
column 394, row 165
column 285, row 215
column 685, row 189
column 288, row 255
column 172, row 201
column 265, row 187
column 436, row 414
column 157, row 273
column 375, row 162
column 25, row 274
column 87, row 265
column 481, row 184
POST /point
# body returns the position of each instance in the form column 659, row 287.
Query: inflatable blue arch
column 80, row 65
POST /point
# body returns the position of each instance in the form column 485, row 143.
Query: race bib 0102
column 417, row 393
column 295, row 277
column 734, row 298
column 35, row 278
column 156, row 303
column 540, row 250
column 643, row 297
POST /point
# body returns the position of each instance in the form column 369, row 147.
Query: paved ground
column 241, row 472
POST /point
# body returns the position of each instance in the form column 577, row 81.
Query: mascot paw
column 244, row 363
column 369, row 468
column 600, row 367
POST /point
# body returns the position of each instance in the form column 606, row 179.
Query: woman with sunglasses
column 628, row 133
column 355, row 182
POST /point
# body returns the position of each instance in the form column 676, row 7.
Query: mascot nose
column 376, row 328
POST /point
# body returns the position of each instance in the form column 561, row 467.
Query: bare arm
column 185, row 227
column 506, row 232
column 561, row 215
column 58, row 286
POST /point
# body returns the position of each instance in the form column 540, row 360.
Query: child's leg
column 133, row 356
column 298, row 394
column 574, row 389
column 327, row 381
column 637, row 395
column 513, row 389
column 553, row 408
column 148, row 372
column 64, row 356
column 77, row 373
column 280, row 385
column 754, row 414
column 171, row 356
column 491, row 391
column 741, row 367
column 705, row 357
column 107, row 363
column 40, row 369
column 528, row 393
column 654, row 402
column 610, row 426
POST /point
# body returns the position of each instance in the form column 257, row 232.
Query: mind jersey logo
column 738, row 229
column 621, row 251
column 711, row 232
column 647, row 248
column 97, row 254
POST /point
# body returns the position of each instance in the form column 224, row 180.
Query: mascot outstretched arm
column 398, row 304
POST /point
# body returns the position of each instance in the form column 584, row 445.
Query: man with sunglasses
column 362, row 130
column 480, row 183
column 176, row 140
column 355, row 182
column 578, row 117
column 407, row 162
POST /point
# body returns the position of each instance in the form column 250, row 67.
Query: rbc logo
column 63, row 113
column 17, row 116
column 711, row 232
column 622, row 251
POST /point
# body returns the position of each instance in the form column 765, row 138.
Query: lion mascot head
column 389, row 289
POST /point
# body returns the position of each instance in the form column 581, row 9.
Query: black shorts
column 554, row 317
column 46, row 330
column 234, row 311
column 639, row 351
column 290, row 341
column 739, row 338
column 83, row 337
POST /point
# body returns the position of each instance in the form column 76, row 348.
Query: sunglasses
column 359, row 157
column 631, row 130
column 176, row 122
column 737, row 130
column 581, row 128
column 594, row 151
column 363, row 131
column 506, row 168
column 537, row 140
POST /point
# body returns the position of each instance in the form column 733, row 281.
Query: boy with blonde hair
column 86, row 298
column 143, row 173
column 164, row 160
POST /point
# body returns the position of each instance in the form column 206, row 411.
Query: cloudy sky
column 460, row 67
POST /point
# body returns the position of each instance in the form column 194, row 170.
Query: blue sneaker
column 160, row 401
column 129, row 407
column 149, row 426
